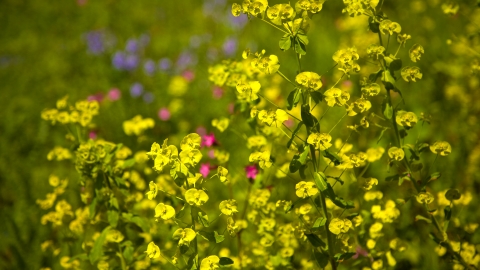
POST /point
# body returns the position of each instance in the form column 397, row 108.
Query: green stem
column 285, row 77
column 337, row 123
column 275, row 26
column 122, row 260
column 271, row 102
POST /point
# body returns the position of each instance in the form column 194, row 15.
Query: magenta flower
column 114, row 94
column 289, row 123
column 211, row 154
column 251, row 171
column 208, row 140
column 205, row 169
column 201, row 131
column 92, row 135
column 164, row 114
column 188, row 75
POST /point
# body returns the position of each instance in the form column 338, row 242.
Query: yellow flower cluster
column 441, row 148
column 270, row 117
column 306, row 189
column 137, row 125
column 280, row 13
column 406, row 119
column 320, row 140
column 336, row 97
column 82, row 113
column 338, row 226
column 251, row 7
column 411, row 74
column 388, row 215
column 396, row 153
column 221, row 124
column 346, row 60
column 309, row 80
column 358, row 7
column 390, row 27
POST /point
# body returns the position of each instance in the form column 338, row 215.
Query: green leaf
column 140, row 222
column 192, row 261
column 420, row 217
column 218, row 237
column 320, row 180
column 448, row 212
column 434, row 176
column 209, row 236
column 285, row 43
column 387, row 111
column 128, row 253
column 453, row 195
column 319, row 222
column 93, row 208
column 315, row 240
column 392, row 178
column 184, row 249
column 112, row 218
column 293, row 98
column 97, row 251
column 340, row 202
column 303, row 156
column 321, row 258
column 225, row 261
column 308, row 119
column 332, row 156
column 340, row 257
column 297, row 129
column 317, row 96
column 388, row 80
column 203, row 219
column 114, row 202
column 294, row 164
column 374, row 76
column 302, row 38
column 373, row 25
column 128, row 163
column 300, row 48
column 301, row 171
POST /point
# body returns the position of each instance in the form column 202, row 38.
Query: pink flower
column 251, row 171
column 188, row 75
column 98, row 97
column 231, row 108
column 164, row 114
column 92, row 135
column 211, row 154
column 114, row 94
column 205, row 169
column 208, row 140
column 289, row 123
column 201, row 131
column 360, row 251
column 217, row 92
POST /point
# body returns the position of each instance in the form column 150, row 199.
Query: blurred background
column 135, row 57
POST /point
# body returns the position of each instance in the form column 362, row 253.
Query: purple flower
column 149, row 67
column 131, row 62
column 230, row 46
column 132, row 46
column 164, row 114
column 205, row 169
column 136, row 89
column 148, row 97
column 95, row 42
column 118, row 60
column 208, row 140
column 114, row 94
column 185, row 60
column 165, row 64
column 251, row 171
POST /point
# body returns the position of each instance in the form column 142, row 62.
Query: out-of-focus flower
column 149, row 67
column 114, row 94
column 148, row 97
column 136, row 89
column 251, row 171
column 205, row 169
column 164, row 64
column 208, row 140
column 95, row 42
column 131, row 46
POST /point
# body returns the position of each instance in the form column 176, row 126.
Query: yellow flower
column 305, row 189
column 103, row 265
column 266, row 64
column 164, row 211
column 375, row 229
column 373, row 195
column 441, row 148
column 236, row 9
column 411, row 74
column 391, row 27
column 210, row 263
column 320, row 140
column 424, row 197
column 153, row 190
column 371, row 89
column 194, row 179
column 406, row 119
column 416, row 52
column 280, row 12
column 263, row 158
column 375, row 51
column 255, row 7
column 248, row 91
column 338, row 226
column 163, row 156
column 137, row 125
column 336, row 97
column 221, row 124
column 368, row 183
column 114, row 236
column 153, row 251
column 196, row 197
column 185, row 236
column 374, row 154
column 191, row 157
column 362, row 105
column 228, row 207
column 309, row 80
column 48, row 202
column 346, row 58
column 396, row 153
column 222, row 174
column 450, row 8
column 191, row 141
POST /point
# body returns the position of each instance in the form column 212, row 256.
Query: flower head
column 164, row 211
column 153, row 251
column 196, row 197
column 441, row 148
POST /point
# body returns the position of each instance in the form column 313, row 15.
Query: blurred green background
column 90, row 48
